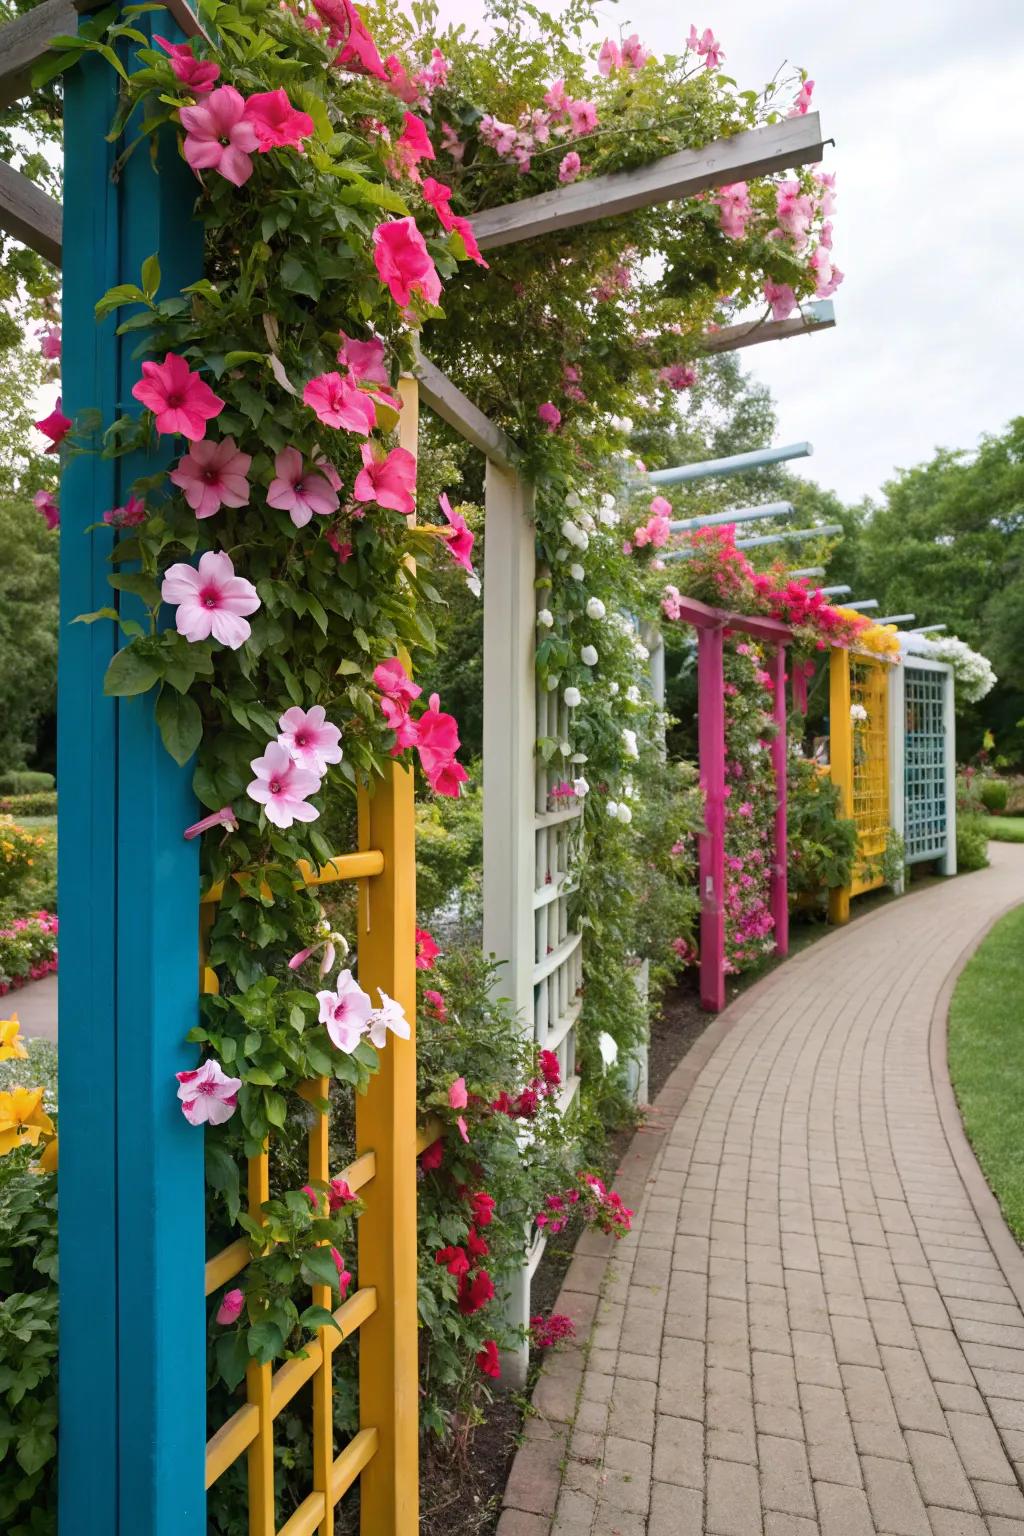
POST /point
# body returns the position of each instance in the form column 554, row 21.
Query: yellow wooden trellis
column 384, row 1452
column 859, row 758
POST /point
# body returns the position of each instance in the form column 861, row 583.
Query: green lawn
column 986, row 1061
column 1005, row 829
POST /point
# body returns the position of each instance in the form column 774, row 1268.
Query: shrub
column 995, row 794
column 37, row 802
column 28, row 949
column 822, row 843
column 971, row 842
column 21, row 855
column 24, row 781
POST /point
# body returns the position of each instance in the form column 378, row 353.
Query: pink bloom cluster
column 657, row 528
column 435, row 735
column 601, row 1207
column 28, row 950
column 565, row 117
column 629, row 54
column 225, row 130
column 292, row 767
column 734, row 206
column 348, row 1015
column 547, row 1332
column 706, row 47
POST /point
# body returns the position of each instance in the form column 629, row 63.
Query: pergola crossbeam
column 817, row 316
column 756, row 152
column 27, row 213
column 733, row 464
column 446, row 400
column 733, row 515
column 26, row 39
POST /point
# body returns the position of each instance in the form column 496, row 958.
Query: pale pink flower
column 404, row 264
column 734, row 206
column 338, row 403
column 363, row 359
column 225, row 817
column 451, row 143
column 794, row 210
column 678, row 376
column 211, row 600
column 298, row 491
column 781, row 298
column 555, row 97
column 827, row 198
column 207, row 1094
column 827, row 275
column 50, row 342
column 661, row 506
column 390, row 1015
column 389, row 480
column 457, row 1095
column 708, row 48
column 634, row 53
column 180, row 400
column 219, row 136
column 196, row 74
column 281, row 786
column 610, row 57
column 46, row 505
column 569, row 168
column 345, row 1012
column 277, row 123
column 310, row 738
column 212, row 475
column 582, row 117
column 803, row 99
column 230, row 1308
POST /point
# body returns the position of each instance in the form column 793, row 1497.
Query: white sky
column 924, row 99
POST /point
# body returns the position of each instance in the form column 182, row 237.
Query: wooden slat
column 430, row 1131
column 356, row 1455
column 757, row 152
column 308, row 1517
column 448, row 402
column 230, row 1441
column 819, row 316
column 24, row 40
column 28, row 214
column 344, row 866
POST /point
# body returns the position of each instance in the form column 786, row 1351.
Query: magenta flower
column 399, row 720
column 404, row 264
column 225, row 817
column 211, row 600
column 678, row 376
column 212, row 475
column 180, row 400
column 230, row 1308
column 197, row 75
column 281, row 786
column 129, row 516
column 414, row 144
column 437, row 741
column 388, row 480
column 582, row 117
column 50, row 342
column 345, row 25
column 46, row 505
column 338, row 403
column 345, row 1012
column 219, row 136
column 56, row 427
column 550, row 415
column 391, row 678
column 277, row 124
column 458, row 1098
column 390, row 1015
column 300, row 492
column 570, row 168
column 344, row 1275
column 207, row 1094
column 460, row 545
column 364, row 360
column 309, row 738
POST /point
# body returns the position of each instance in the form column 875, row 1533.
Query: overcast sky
column 924, row 100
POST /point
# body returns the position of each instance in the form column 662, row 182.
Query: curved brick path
column 808, row 1329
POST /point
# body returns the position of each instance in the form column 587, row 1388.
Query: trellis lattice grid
column 926, row 832
column 869, row 689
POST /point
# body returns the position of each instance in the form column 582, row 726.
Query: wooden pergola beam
column 26, row 39
column 819, row 316
column 447, row 401
column 27, row 213
column 756, row 152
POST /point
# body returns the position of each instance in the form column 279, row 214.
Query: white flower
column 609, row 518
column 561, row 554
column 625, row 815
column 858, row 712
column 588, row 656
column 579, row 757
column 629, row 745
column 473, row 583
column 552, row 684
column 608, row 1048
column 577, row 572
column 641, row 652
column 572, row 697
column 564, row 748
column 572, row 500
column 545, row 618
column 613, row 689
column 613, row 809
column 587, row 522
column 595, row 608
column 632, row 694
column 580, row 787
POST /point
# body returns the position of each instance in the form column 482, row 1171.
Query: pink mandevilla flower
column 781, row 298
column 389, row 480
column 50, row 342
column 281, row 786
column 211, row 600
column 610, row 56
column 219, row 136
column 437, row 741
column 278, row 125
column 46, row 505
column 56, row 427
column 391, row 678
column 414, row 144
column 460, row 545
column 457, row 1095
column 198, row 75
column 129, row 516
column 310, row 738
column 230, row 1308
column 338, row 403
column 298, row 491
column 345, row 1012
column 550, row 415
column 364, row 360
column 404, row 264
column 207, row 1094
column 180, row 400
column 213, row 475
column 390, row 1015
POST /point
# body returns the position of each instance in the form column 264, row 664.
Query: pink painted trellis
column 711, row 625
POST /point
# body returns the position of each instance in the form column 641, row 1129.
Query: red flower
column 432, row 1157
column 454, row 1260
column 475, row 1293
column 426, row 950
column 550, row 1068
column 478, row 1249
column 483, row 1208
column 56, row 427
column 487, row 1359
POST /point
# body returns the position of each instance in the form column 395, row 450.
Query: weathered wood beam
column 447, row 401
column 27, row 213
column 758, row 151
column 819, row 316
column 26, row 39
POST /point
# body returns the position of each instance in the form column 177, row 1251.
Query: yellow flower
column 22, row 1119
column 11, row 1044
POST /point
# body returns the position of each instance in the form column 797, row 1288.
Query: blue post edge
column 132, row 1244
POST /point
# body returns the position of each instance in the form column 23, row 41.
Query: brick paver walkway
column 808, row 1329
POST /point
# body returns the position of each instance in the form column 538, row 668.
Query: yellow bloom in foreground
column 22, row 1119
column 11, row 1044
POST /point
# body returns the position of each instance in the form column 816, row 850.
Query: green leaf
column 101, row 613
column 232, row 359
column 140, row 584
column 232, row 1355
column 319, row 1317
column 181, row 724
column 319, row 1267
column 130, row 672
column 151, row 276
column 299, row 279
column 265, row 1342
column 123, row 293
column 277, row 1108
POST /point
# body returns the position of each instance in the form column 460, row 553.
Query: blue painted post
column 133, row 1380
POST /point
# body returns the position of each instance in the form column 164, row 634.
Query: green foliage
column 1005, row 829
column 822, row 843
column 449, row 852
column 995, row 794
column 39, row 803
column 971, row 842
column 24, row 782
